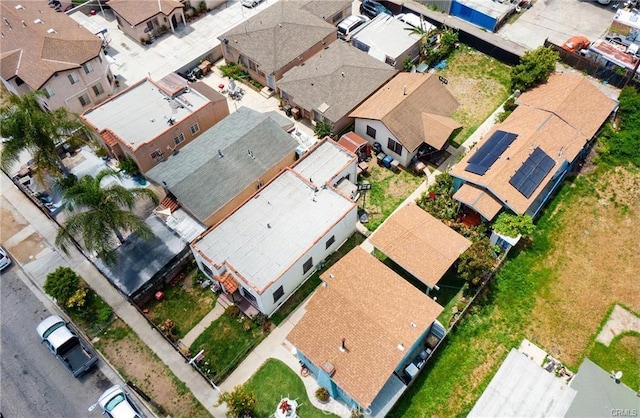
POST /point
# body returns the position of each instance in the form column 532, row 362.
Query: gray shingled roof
column 324, row 8
column 599, row 394
column 203, row 182
column 340, row 76
column 278, row 35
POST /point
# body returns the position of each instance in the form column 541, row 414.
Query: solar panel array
column 489, row 152
column 530, row 175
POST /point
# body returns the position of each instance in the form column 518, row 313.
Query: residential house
column 408, row 116
column 268, row 247
column 222, row 168
column 144, row 20
column 150, row 120
column 284, row 35
column 42, row 49
column 389, row 40
column 419, row 243
column 366, row 333
column 523, row 160
column 144, row 266
column 333, row 83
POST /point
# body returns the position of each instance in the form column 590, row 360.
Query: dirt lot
column 595, row 261
column 138, row 364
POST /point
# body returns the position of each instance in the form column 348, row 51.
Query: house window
column 207, row 270
column 178, row 139
column 337, row 17
column 307, row 265
column 84, row 100
column 156, row 156
column 100, row 57
column 149, row 25
column 48, row 92
column 19, row 81
column 73, row 78
column 194, row 129
column 394, row 146
column 284, row 95
column 371, row 132
column 97, row 89
column 110, row 78
column 252, row 65
column 330, row 241
column 87, row 67
column 278, row 294
column 249, row 296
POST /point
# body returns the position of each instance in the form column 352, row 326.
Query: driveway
column 558, row 20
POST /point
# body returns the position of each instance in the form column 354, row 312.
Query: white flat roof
column 323, row 163
column 386, row 36
column 142, row 112
column 271, row 231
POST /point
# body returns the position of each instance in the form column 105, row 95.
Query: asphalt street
column 33, row 382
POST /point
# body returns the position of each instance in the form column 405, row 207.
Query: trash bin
column 287, row 110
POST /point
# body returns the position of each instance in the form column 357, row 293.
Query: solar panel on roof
column 489, row 152
column 533, row 171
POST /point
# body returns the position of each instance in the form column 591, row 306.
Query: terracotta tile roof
column 374, row 310
column 36, row 51
column 170, row 203
column 351, row 141
column 137, row 11
column 228, row 282
column 109, row 137
column 401, row 104
column 479, row 200
column 419, row 243
column 559, row 117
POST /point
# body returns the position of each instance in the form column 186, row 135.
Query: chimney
column 343, row 348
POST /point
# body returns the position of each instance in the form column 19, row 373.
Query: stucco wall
column 382, row 136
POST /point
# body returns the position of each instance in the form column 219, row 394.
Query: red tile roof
column 228, row 282
column 170, row 203
column 109, row 137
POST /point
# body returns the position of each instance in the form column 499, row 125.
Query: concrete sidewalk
column 39, row 255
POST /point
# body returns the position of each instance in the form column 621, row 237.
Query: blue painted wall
column 470, row 15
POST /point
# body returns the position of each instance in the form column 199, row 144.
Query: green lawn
column 275, row 380
column 185, row 307
column 314, row 281
column 225, row 344
column 622, row 354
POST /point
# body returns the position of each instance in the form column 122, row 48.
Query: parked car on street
column 5, row 260
column 115, row 402
column 371, row 8
column 576, row 43
column 72, row 351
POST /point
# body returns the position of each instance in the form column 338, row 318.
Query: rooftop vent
column 24, row 23
column 19, row 7
column 329, row 368
column 51, row 30
column 343, row 348
column 38, row 21
column 220, row 154
column 400, row 347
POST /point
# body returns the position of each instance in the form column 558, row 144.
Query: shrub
column 234, row 71
column 438, row 200
column 322, row 394
column 233, row 312
column 62, row 284
column 129, row 166
column 513, row 225
column 240, row 403
column 322, row 129
column 534, row 68
column 476, row 262
column 623, row 146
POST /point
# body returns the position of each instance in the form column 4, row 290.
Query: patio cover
column 478, row 200
column 419, row 243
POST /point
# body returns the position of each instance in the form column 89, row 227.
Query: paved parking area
column 558, row 20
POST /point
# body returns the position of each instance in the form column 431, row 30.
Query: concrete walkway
column 620, row 320
column 45, row 257
column 214, row 314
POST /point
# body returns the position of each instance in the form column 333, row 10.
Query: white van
column 415, row 21
column 351, row 25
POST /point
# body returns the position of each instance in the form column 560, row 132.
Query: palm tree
column 425, row 36
column 102, row 213
column 26, row 126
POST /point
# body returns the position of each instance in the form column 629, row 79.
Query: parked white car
column 5, row 260
column 414, row 20
column 116, row 403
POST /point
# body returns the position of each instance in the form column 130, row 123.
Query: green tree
column 27, row 127
column 534, row 68
column 622, row 144
column 62, row 284
column 476, row 262
column 513, row 225
column 98, row 214
column 129, row 166
column 239, row 402
column 322, row 129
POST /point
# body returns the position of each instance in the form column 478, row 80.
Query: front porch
column 235, row 298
